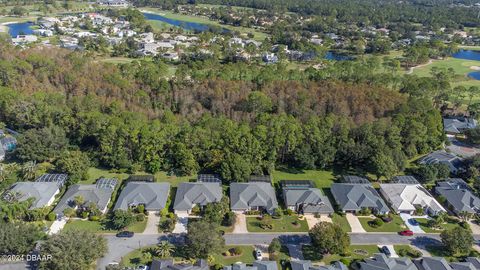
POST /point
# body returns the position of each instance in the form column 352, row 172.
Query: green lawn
column 342, row 221
column 409, row 249
column 98, row 227
column 258, row 35
column 279, row 225
column 396, row 225
column 450, row 224
column 322, row 179
column 246, row 256
column 356, row 252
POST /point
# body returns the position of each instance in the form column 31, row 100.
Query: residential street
column 119, row 247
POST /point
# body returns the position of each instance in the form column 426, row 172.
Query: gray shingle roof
column 89, row 193
column 382, row 262
column 311, row 199
column 405, row 179
column 252, row 194
column 458, row 124
column 307, row 265
column 353, row 179
column 170, row 265
column 454, row 162
column 152, row 195
column 257, row 265
column 190, row 194
column 459, row 196
column 354, row 197
column 42, row 192
column 435, row 263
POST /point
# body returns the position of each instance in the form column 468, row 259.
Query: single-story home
column 307, row 265
column 380, row 262
column 355, row 197
column 152, row 195
column 58, row 178
column 453, row 162
column 169, row 264
column 99, row 194
column 406, row 198
column 457, row 125
column 43, row 192
column 196, row 193
column 301, row 196
column 252, row 196
column 458, row 196
column 257, row 265
column 404, row 179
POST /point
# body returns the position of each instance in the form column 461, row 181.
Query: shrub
column 378, row 222
column 227, row 253
column 141, row 208
column 168, row 225
column 278, row 213
column 140, row 217
column 290, row 212
column 84, row 214
column 229, row 219
column 236, row 251
column 51, row 216
column 94, row 218
column 196, row 210
column 365, row 212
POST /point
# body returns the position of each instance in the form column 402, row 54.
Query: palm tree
column 164, row 249
column 29, row 170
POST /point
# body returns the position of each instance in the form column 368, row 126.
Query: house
column 303, row 197
column 252, row 196
column 433, row 263
column 307, row 265
column 152, row 195
column 114, row 3
column 381, row 262
column 453, row 162
column 257, row 265
column 406, row 198
column 43, row 193
column 196, row 193
column 270, row 58
column 59, row 178
column 9, row 143
column 169, row 264
column 353, row 179
column 209, row 178
column 355, row 197
column 99, row 194
column 457, row 125
column 458, row 196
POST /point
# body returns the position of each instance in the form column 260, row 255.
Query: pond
column 200, row 27
column 474, row 75
column 467, row 55
column 331, row 55
column 15, row 29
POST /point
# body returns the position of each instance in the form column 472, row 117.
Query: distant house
column 458, row 125
column 196, row 193
column 257, row 265
column 458, row 196
column 381, row 262
column 406, row 198
column 114, row 3
column 152, row 195
column 453, row 162
column 307, row 265
column 99, row 194
column 43, row 193
column 303, row 197
column 404, row 179
column 141, row 178
column 169, row 264
column 252, row 196
column 209, row 178
column 24, row 39
column 355, row 197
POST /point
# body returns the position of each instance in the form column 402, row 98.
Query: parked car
column 413, row 222
column 258, row 254
column 406, row 233
column 125, row 234
column 386, row 251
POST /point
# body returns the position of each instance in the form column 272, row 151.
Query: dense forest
column 231, row 119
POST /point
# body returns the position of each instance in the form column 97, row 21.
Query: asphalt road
column 119, row 247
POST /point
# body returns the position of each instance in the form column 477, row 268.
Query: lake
column 467, row 55
column 474, row 75
column 331, row 55
column 15, row 29
column 200, row 27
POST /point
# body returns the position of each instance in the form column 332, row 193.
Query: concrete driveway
column 182, row 223
column 354, row 223
column 240, row 225
column 413, row 228
column 393, row 253
column 57, row 225
column 312, row 220
column 152, row 223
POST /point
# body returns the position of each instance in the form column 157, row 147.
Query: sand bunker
column 475, row 67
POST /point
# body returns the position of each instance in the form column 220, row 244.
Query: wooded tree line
column 132, row 118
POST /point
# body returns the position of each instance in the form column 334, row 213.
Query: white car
column 258, row 255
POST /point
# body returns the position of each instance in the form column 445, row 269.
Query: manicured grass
column 441, row 251
column 279, row 225
column 356, row 252
column 450, row 224
column 342, row 221
column 409, row 249
column 98, row 227
column 258, row 35
column 246, row 256
column 395, row 225
column 322, row 179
